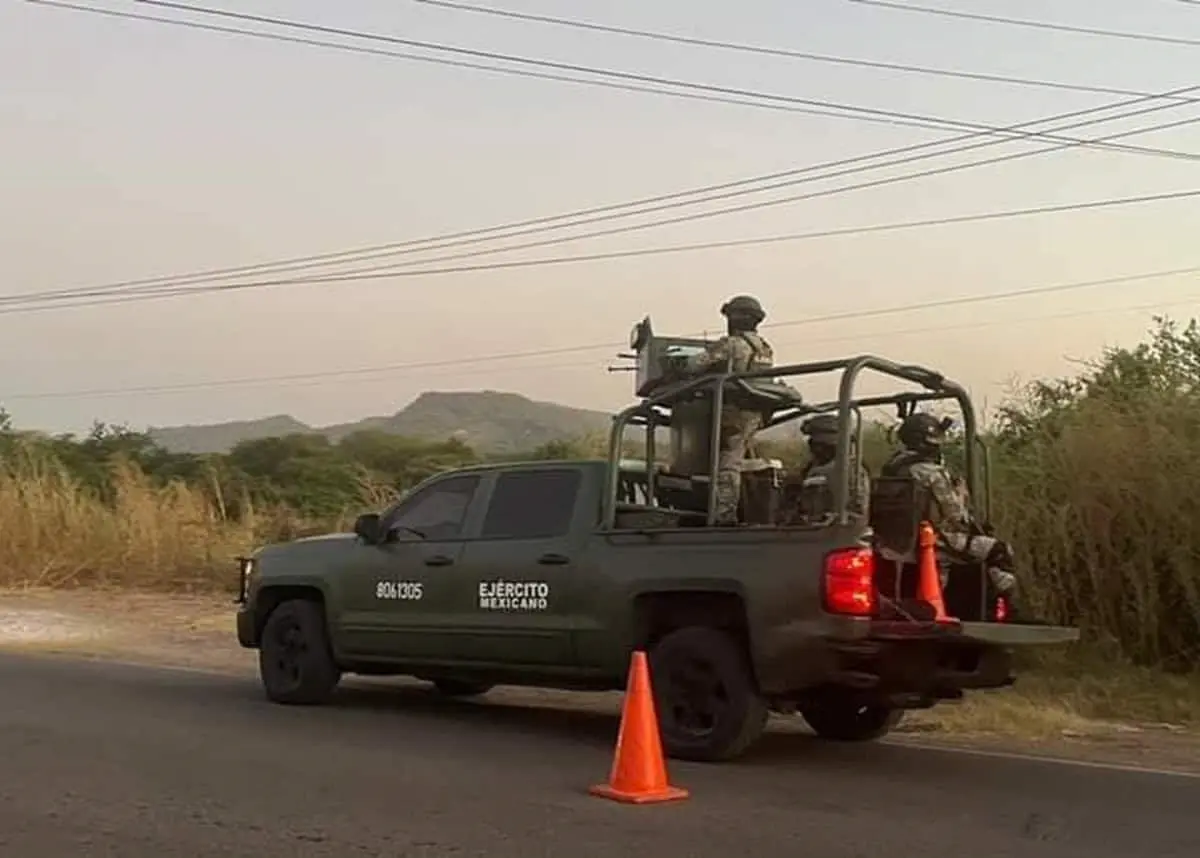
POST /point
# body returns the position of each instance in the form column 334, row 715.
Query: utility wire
column 482, row 234
column 10, row 306
column 779, row 52
column 620, row 75
column 487, row 359
column 383, row 52
column 1022, row 22
column 807, row 341
column 19, row 304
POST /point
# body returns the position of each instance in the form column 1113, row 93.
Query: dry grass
column 58, row 534
column 1068, row 697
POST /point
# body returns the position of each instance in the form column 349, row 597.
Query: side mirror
column 367, row 528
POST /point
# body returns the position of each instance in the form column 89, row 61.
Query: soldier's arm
column 716, row 357
column 948, row 497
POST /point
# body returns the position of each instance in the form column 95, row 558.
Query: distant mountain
column 221, row 437
column 490, row 421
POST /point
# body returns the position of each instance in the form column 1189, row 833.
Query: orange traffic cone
column 639, row 773
column 929, row 582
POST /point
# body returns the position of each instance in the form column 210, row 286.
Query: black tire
column 295, row 660
column 460, row 688
column 709, row 708
column 841, row 718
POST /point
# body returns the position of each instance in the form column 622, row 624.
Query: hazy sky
column 131, row 149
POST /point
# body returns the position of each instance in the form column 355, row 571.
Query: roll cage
column 658, row 407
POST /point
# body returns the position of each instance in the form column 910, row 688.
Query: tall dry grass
column 57, row 533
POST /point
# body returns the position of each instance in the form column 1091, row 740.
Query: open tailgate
column 1016, row 634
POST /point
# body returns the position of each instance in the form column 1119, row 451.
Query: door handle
column 438, row 560
column 554, row 559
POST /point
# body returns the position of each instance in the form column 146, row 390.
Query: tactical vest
column 901, row 465
column 761, row 357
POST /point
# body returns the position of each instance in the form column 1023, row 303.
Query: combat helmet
column 744, row 307
column 821, row 428
column 923, row 431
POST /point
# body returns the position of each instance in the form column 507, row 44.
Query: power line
column 574, row 67
column 779, row 52
column 1021, row 22
column 811, row 320
column 19, row 304
column 381, row 52
column 809, row 341
column 481, row 234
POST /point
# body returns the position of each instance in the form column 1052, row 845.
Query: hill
column 491, row 421
column 221, row 437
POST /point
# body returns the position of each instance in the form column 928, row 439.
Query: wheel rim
column 695, row 698
column 289, row 653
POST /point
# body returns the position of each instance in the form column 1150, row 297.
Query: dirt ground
column 198, row 632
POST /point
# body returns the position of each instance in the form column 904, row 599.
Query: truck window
column 439, row 510
column 532, row 504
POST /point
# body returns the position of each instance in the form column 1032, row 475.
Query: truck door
column 522, row 569
column 400, row 595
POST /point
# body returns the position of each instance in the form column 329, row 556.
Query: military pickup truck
column 550, row 573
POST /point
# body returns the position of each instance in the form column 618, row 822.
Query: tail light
column 850, row 582
column 1001, row 609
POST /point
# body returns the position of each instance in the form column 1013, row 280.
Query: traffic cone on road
column 929, row 581
column 639, row 772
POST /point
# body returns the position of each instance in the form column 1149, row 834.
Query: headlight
column 246, row 568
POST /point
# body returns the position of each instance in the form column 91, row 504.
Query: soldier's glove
column 1001, row 556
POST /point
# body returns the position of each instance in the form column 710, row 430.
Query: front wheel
column 295, row 660
column 709, row 708
column 843, row 719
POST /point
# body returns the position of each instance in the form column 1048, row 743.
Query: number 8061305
column 406, row 590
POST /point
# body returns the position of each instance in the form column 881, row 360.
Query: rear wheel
column 460, row 688
column 842, row 718
column 709, row 708
column 295, row 660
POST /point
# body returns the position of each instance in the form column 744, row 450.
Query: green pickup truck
column 551, row 573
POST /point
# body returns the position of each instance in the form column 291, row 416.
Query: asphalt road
column 107, row 760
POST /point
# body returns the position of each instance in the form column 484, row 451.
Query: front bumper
column 247, row 579
column 247, row 634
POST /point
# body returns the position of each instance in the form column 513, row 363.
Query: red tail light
column 1001, row 609
column 850, row 582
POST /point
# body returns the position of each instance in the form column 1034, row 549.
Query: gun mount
column 691, row 412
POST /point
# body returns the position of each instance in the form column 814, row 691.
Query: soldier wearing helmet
column 922, row 436
column 740, row 350
column 816, row 492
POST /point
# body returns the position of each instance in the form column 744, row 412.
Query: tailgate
column 994, row 634
column 1016, row 634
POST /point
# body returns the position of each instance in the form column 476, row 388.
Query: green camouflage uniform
column 748, row 351
column 949, row 514
column 818, row 492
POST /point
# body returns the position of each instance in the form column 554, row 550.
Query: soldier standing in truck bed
column 741, row 349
